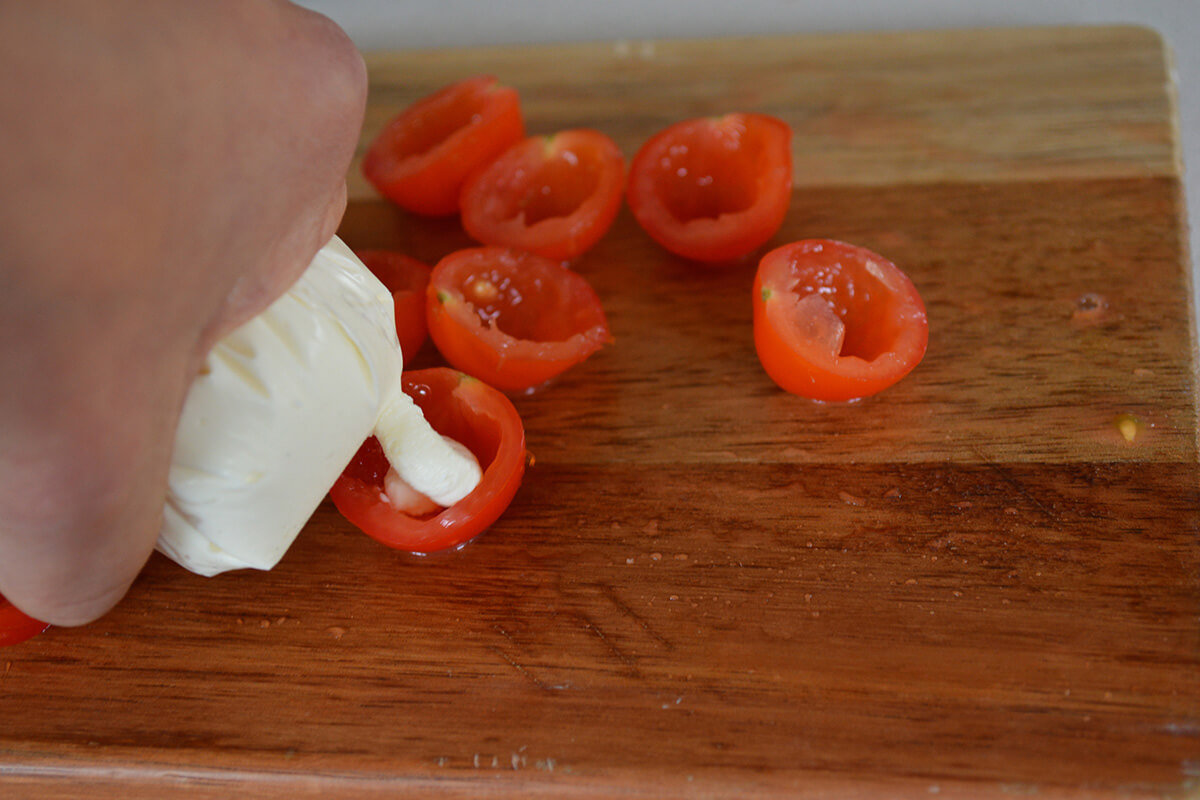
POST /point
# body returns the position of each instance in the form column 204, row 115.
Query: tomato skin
column 16, row 626
column 803, row 289
column 713, row 189
column 542, row 318
column 555, row 196
column 407, row 279
column 469, row 411
column 421, row 157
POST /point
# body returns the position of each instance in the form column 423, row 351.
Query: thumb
column 82, row 489
column 290, row 255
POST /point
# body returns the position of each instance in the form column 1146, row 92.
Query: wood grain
column 1016, row 370
column 917, row 107
column 970, row 585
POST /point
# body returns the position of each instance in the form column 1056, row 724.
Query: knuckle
column 341, row 73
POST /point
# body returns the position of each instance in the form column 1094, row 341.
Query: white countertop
column 407, row 24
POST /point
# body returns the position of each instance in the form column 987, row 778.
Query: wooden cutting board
column 973, row 584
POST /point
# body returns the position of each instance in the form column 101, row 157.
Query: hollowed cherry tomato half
column 468, row 411
column 836, row 322
column 551, row 195
column 15, row 625
column 512, row 319
column 716, row 188
column 407, row 279
column 421, row 158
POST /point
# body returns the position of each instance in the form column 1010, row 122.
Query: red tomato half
column 407, row 279
column 17, row 626
column 468, row 411
column 421, row 158
column 836, row 322
column 512, row 319
column 551, row 195
column 716, row 188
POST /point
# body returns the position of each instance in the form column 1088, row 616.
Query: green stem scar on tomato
column 468, row 411
column 17, row 626
column 836, row 322
column 512, row 319
column 551, row 195
column 716, row 188
column 421, row 158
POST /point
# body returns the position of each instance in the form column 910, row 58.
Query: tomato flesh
column 551, row 195
column 407, row 279
column 468, row 411
column 836, row 322
column 15, row 625
column 421, row 158
column 512, row 319
column 713, row 189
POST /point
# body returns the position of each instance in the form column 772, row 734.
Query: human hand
column 168, row 169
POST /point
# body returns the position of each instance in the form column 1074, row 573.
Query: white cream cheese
column 280, row 408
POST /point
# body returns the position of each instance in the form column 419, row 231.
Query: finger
column 82, row 489
column 326, row 91
column 255, row 290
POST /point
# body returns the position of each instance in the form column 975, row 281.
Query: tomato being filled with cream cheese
column 281, row 406
column 466, row 411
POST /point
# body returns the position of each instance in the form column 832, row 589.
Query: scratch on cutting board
column 520, row 668
column 617, row 652
column 526, row 674
column 1008, row 478
column 611, row 595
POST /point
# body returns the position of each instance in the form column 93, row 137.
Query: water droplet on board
column 1089, row 307
column 336, row 632
column 851, row 500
